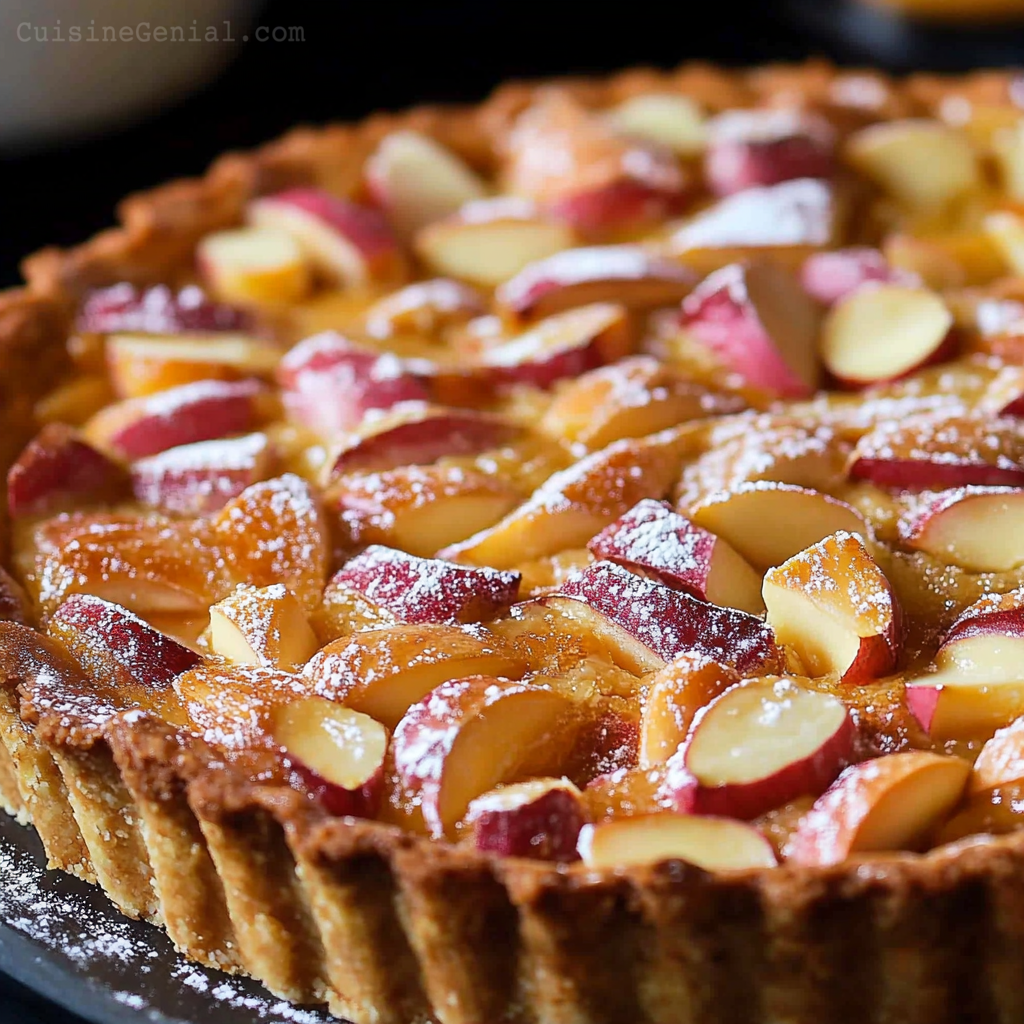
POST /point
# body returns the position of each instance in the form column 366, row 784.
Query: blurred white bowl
column 53, row 90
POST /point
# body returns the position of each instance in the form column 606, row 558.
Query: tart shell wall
column 392, row 929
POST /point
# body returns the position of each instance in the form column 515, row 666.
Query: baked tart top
column 604, row 476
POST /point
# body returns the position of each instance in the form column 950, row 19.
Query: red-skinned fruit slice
column 575, row 503
column 274, row 532
column 415, row 180
column 885, row 332
column 418, row 435
column 666, row 119
column 750, row 148
column 834, row 607
column 634, row 397
column 467, row 736
column 580, row 171
column 347, row 243
column 758, row 746
column 425, row 308
column 230, row 705
column 714, row 844
column 978, row 686
column 674, row 697
column 57, row 469
column 668, row 622
column 123, row 309
column 421, row 590
column 195, row 479
column 787, row 222
column 262, row 626
column 112, row 643
column 564, row 345
column 383, row 672
column 758, row 321
column 977, row 528
column 1001, row 761
column 888, row 803
column 490, row 240
column 655, row 540
column 625, row 274
column 934, row 452
column 202, row 411
column 329, row 383
column 254, row 265
column 830, row 277
column 338, row 753
column 540, row 819
column 767, row 523
column 144, row 364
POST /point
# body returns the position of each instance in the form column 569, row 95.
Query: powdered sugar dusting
column 132, row 960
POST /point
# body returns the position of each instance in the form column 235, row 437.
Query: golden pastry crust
column 246, row 875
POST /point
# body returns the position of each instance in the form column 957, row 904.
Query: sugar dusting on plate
column 43, row 907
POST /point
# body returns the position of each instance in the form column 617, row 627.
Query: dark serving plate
column 62, row 938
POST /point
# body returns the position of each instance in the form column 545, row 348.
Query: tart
column 550, row 562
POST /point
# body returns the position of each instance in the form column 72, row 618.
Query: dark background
column 358, row 57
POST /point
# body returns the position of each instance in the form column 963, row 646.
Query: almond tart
column 547, row 562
